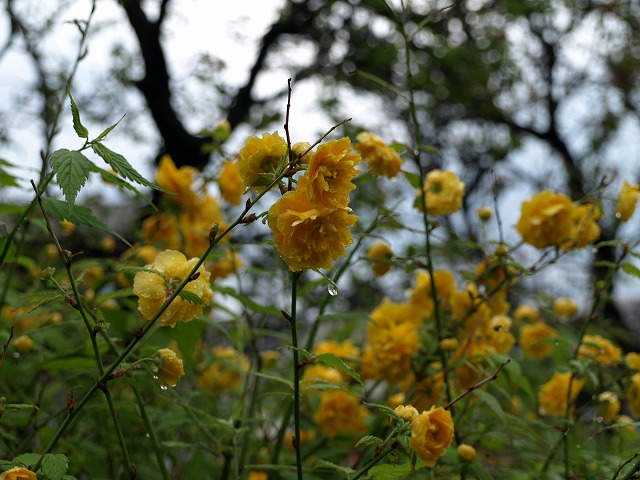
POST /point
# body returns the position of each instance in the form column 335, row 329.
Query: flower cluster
column 311, row 223
column 380, row 159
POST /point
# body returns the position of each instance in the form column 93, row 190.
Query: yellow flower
column 392, row 349
column 255, row 475
column 428, row 390
column 304, row 149
column 525, row 312
column 584, row 227
column 331, row 168
column 449, row 344
column 422, row 296
column 444, row 193
column 231, row 183
column 431, row 434
column 171, row 368
column 308, row 237
column 407, row 413
column 466, row 452
column 545, row 220
column 260, row 156
column 339, row 412
column 18, row 473
column 554, row 395
column 380, row 251
column 610, row 406
column 225, row 266
column 177, row 180
column 314, row 374
column 624, row 419
column 501, row 338
column 632, row 360
column 534, row 339
column 196, row 223
column 23, row 344
column 153, row 289
column 67, row 227
column 600, row 350
column 381, row 159
column 627, row 201
column 225, row 373
column 565, row 307
column 161, row 229
column 633, row 395
column 108, row 243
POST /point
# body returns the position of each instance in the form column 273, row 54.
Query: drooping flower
column 431, row 434
column 444, row 193
column 18, row 473
column 171, row 368
column 554, row 396
column 306, row 236
column 177, row 180
column 600, row 350
column 260, row 156
column 231, row 184
column 627, row 201
column 545, row 220
column 535, row 339
column 633, row 395
column 381, row 159
column 379, row 254
column 331, row 169
column 339, row 412
column 153, row 289
column 226, row 370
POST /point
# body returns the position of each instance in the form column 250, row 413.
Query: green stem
column 155, row 444
column 296, row 371
column 387, row 450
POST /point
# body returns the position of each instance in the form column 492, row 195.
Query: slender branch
column 5, row 348
column 473, row 387
column 155, row 444
column 296, row 371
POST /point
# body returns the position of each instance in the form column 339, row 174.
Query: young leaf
column 118, row 181
column 330, row 360
column 78, row 215
column 121, row 166
column 369, row 440
column 72, row 169
column 631, row 269
column 413, row 179
column 191, row 297
column 54, row 466
column 103, row 135
column 77, row 124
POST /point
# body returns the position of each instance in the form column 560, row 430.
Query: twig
column 6, row 347
column 477, row 385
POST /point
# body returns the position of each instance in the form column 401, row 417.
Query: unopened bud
column 47, row 273
column 249, row 218
column 213, row 233
column 194, row 276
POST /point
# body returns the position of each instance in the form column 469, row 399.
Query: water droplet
column 163, row 387
column 556, row 343
column 578, row 446
column 147, row 435
column 155, row 377
column 602, row 352
column 618, row 215
column 594, row 250
column 599, row 419
column 332, row 288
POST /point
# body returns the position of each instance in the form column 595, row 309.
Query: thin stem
column 155, row 444
column 375, row 459
column 296, row 371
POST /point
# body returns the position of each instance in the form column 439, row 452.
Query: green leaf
column 103, row 135
column 386, row 410
column 121, row 166
column 369, row 440
column 247, row 302
column 399, row 472
column 191, row 297
column 54, row 466
column 413, row 179
column 330, row 360
column 69, row 363
column 78, row 215
column 119, row 182
column 72, row 169
column 14, row 407
column 327, row 465
column 77, row 124
column 7, row 180
column 27, row 459
column 479, row 472
column 631, row 269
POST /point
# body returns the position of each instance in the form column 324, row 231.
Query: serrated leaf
column 14, row 407
column 72, row 169
column 330, row 360
column 389, row 411
column 413, row 179
column 54, row 466
column 77, row 124
column 78, row 215
column 119, row 182
column 631, row 269
column 191, row 297
column 369, row 440
column 27, row 459
column 327, row 465
column 121, row 166
column 104, row 134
